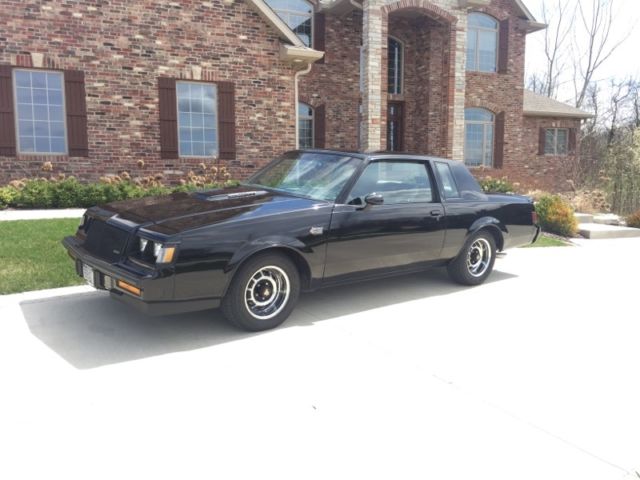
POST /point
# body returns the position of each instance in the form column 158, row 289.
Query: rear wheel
column 475, row 261
column 263, row 293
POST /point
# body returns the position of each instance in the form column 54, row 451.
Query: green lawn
column 31, row 256
column 546, row 241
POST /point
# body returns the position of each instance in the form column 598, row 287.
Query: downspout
column 296, row 76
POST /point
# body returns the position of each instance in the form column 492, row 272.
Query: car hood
column 178, row 212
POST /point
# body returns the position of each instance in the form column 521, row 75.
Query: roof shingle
column 536, row 105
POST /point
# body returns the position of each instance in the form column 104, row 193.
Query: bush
column 497, row 185
column 7, row 196
column 70, row 193
column 556, row 216
column 633, row 220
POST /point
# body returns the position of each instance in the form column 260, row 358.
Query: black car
column 309, row 219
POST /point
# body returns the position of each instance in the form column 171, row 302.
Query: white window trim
column 401, row 70
column 555, row 142
column 299, row 13
column 311, row 117
column 485, row 143
column 217, row 152
column 17, row 115
column 476, row 30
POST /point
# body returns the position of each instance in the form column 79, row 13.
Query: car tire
column 263, row 292
column 475, row 261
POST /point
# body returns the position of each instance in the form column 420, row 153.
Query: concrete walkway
column 408, row 378
column 6, row 215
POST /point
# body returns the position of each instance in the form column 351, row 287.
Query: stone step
column 584, row 217
column 598, row 231
column 606, row 219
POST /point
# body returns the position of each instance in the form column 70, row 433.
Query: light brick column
column 372, row 95
column 459, row 95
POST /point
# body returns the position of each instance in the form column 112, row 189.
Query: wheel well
column 297, row 259
column 497, row 236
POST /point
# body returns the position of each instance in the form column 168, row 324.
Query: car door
column 405, row 230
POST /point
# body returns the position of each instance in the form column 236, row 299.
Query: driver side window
column 398, row 182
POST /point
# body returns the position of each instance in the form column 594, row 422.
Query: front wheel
column 263, row 293
column 475, row 261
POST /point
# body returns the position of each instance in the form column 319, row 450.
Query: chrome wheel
column 479, row 257
column 267, row 292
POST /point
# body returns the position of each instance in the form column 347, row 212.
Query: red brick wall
column 545, row 172
column 336, row 82
column 425, row 45
column 123, row 46
column 503, row 92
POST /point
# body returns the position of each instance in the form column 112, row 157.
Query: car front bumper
column 155, row 293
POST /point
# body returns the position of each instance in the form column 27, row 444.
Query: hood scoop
column 235, row 195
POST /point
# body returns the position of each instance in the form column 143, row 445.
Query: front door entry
column 395, row 126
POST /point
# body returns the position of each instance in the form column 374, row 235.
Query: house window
column 197, row 119
column 297, row 14
column 394, row 66
column 478, row 146
column 305, row 126
column 482, row 43
column 40, row 119
column 556, row 141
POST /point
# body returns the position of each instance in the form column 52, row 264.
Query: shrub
column 556, row 216
column 70, row 193
column 633, row 220
column 7, row 196
column 497, row 185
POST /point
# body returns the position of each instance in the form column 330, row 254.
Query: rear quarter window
column 449, row 187
column 467, row 186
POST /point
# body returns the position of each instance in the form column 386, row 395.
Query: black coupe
column 307, row 220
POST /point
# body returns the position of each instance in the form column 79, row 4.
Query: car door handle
column 435, row 213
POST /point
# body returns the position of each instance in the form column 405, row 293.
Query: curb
column 8, row 215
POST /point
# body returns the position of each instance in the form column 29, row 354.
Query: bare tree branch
column 596, row 45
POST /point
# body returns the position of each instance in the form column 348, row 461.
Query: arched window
column 297, row 14
column 478, row 133
column 305, row 125
column 482, row 43
column 395, row 65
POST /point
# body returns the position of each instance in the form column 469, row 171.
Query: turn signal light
column 129, row 288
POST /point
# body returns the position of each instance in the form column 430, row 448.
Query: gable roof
column 536, row 105
column 293, row 50
column 533, row 25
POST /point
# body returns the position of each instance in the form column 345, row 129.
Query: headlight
column 164, row 254
column 154, row 251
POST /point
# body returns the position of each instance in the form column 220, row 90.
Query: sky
column 625, row 62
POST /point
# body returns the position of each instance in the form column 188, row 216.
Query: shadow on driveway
column 90, row 330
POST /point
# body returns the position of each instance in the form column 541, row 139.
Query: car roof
column 379, row 155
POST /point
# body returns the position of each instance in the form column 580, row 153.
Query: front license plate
column 87, row 273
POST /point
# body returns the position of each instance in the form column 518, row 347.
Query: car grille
column 105, row 241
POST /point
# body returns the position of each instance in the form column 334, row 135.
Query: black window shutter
column 227, row 120
column 498, row 150
column 573, row 137
column 503, row 46
column 319, row 127
column 542, row 141
column 76, row 104
column 319, row 30
column 168, row 117
column 7, row 120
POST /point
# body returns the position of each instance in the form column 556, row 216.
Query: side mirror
column 374, row 199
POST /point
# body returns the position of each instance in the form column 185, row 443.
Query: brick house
column 95, row 86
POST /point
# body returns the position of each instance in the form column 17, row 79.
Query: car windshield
column 320, row 176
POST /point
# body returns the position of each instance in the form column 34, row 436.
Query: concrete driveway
column 534, row 375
